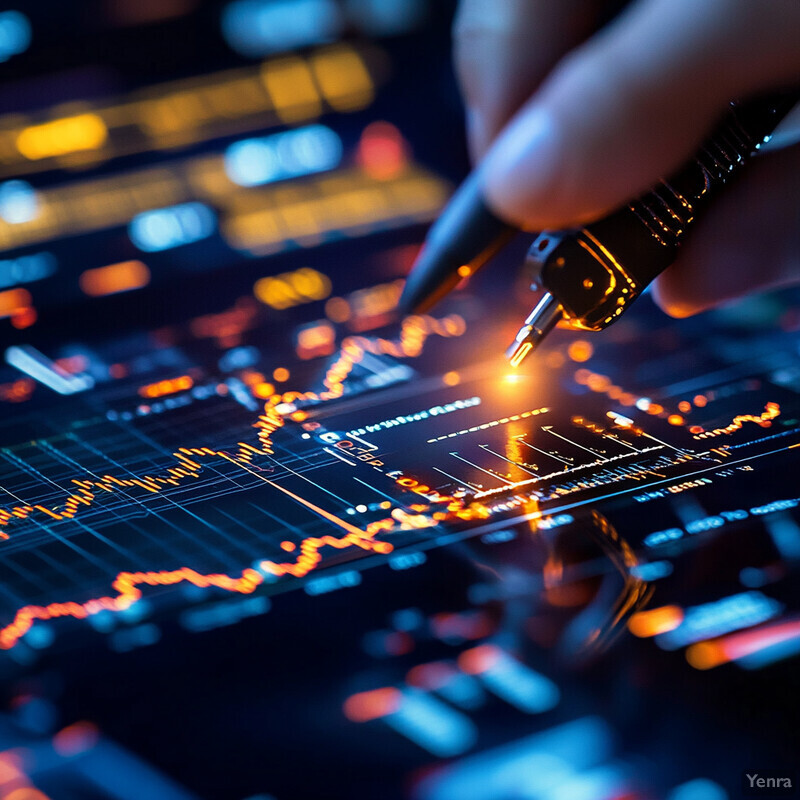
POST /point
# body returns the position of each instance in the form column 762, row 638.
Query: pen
column 591, row 275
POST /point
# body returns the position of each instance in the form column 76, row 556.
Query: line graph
column 763, row 420
column 413, row 333
column 189, row 464
column 307, row 552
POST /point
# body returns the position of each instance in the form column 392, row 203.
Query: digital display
column 264, row 537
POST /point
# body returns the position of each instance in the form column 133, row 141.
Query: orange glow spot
column 451, row 379
column 281, row 375
column 627, row 399
column 24, row 318
column 62, row 136
column 599, row 383
column 700, row 400
column 382, row 152
column 696, row 429
column 292, row 288
column 582, row 376
column 337, row 309
column 316, row 339
column 655, row 620
column 291, row 88
column 17, row 391
column 165, row 387
column 13, row 301
column 580, row 350
column 75, row 739
column 10, row 767
column 25, row 793
column 479, row 659
column 299, row 416
column 685, row 406
column 366, row 706
column 655, row 409
column 343, row 78
column 251, row 377
column 705, row 655
column 263, row 390
column 464, row 271
column 114, row 278
column 288, row 546
column 675, row 419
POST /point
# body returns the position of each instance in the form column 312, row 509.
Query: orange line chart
column 763, row 420
column 413, row 334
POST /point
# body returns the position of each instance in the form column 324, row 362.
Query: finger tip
column 672, row 299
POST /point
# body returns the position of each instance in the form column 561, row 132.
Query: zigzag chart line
column 413, row 334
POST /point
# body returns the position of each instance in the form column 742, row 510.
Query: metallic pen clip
column 538, row 324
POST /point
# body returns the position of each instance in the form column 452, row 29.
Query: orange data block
column 114, row 278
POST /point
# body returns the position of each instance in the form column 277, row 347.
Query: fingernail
column 522, row 167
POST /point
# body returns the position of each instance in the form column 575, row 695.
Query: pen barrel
column 597, row 271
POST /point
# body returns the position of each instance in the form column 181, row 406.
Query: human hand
column 571, row 123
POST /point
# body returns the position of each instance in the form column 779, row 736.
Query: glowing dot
column 382, row 152
column 598, row 383
column 464, row 271
column 299, row 416
column 512, row 378
column 705, row 655
column 655, row 409
column 675, row 419
column 337, row 309
column 451, row 379
column 695, row 429
column 580, row 350
column 365, row 706
column 655, row 621
column 361, row 508
column 263, row 390
column 479, row 659
column 305, row 436
column 685, row 406
column 700, row 400
column 386, row 504
column 288, row 546
column 24, row 318
column 582, row 376
column 281, row 374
